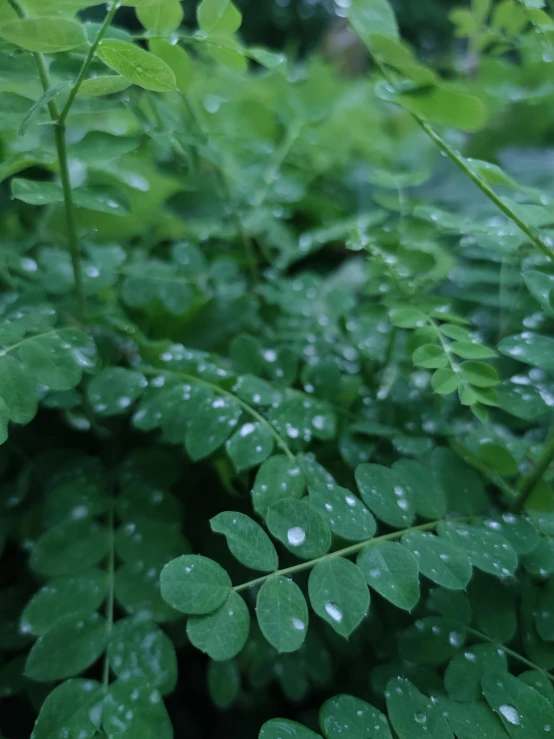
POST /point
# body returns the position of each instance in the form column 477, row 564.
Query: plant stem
column 482, row 185
column 516, row 655
column 73, row 237
column 86, row 64
column 530, row 482
column 220, row 391
column 346, row 552
column 61, row 148
column 460, row 162
column 110, row 571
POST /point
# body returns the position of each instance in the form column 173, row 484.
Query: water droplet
column 296, row 536
column 510, row 714
column 334, row 612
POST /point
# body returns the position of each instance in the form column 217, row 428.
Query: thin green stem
column 110, row 572
column 61, row 147
column 220, row 391
column 530, row 482
column 71, row 221
column 515, row 655
column 346, row 552
column 482, row 185
column 86, row 64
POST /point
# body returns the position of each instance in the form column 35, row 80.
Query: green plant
column 248, row 307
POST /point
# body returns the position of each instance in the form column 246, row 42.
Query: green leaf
column 462, row 678
column 212, row 424
column 339, row 594
column 103, row 85
column 412, row 714
column 47, row 193
column 540, row 285
column 135, row 712
column 194, row 584
column 445, row 381
column 140, row 652
column 277, row 478
column 346, row 515
column 4, row 420
column 471, row 350
column 99, row 146
column 18, row 389
column 464, row 490
column 153, row 542
column 73, row 707
column 69, row 548
column 530, row 348
column 472, row 720
column 278, row 728
column 390, row 502
column 71, row 646
column 544, row 615
column 430, row 355
column 393, row 572
column 114, row 390
column 540, row 561
column 428, row 496
column 221, row 634
column 540, row 682
column 300, row 527
column 438, row 560
column 431, row 640
column 163, row 17
column 372, row 17
column 247, row 540
column 441, row 105
column 493, row 607
column 282, row 614
column 350, row 716
column 138, row 66
column 218, row 17
column 84, row 591
column 523, row 711
column 177, row 60
column 44, row 35
column 57, row 360
column 250, row 445
column 521, row 534
column 43, row 100
column 255, row 391
column 486, row 550
column 479, row 374
column 407, row 317
column 137, row 590
column 223, row 682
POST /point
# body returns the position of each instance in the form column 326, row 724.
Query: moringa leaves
column 138, row 66
column 393, row 572
column 282, row 614
column 339, row 594
column 247, row 540
column 194, row 584
column 300, row 527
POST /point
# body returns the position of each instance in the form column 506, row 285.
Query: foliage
column 276, row 379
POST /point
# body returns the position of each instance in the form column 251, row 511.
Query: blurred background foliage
column 304, row 25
